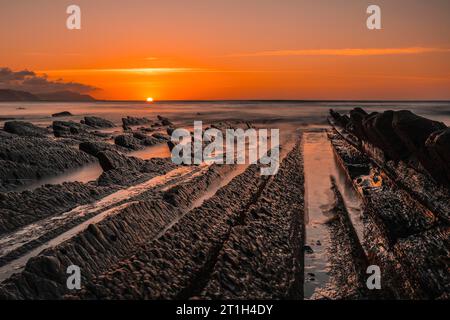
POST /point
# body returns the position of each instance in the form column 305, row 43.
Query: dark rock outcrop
column 401, row 135
column 135, row 121
column 342, row 120
column 261, row 258
column 100, row 246
column 414, row 130
column 68, row 128
column 25, row 159
column 25, row 129
column 161, row 137
column 164, row 121
column 62, row 114
column 170, row 130
column 97, row 122
column 355, row 125
column 403, row 233
column 145, row 139
column 113, row 160
column 21, row 208
column 128, row 141
column 379, row 129
column 93, row 148
column 438, row 147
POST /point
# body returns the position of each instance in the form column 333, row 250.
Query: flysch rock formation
column 178, row 263
column 103, row 244
column 402, row 135
column 406, row 239
column 26, row 159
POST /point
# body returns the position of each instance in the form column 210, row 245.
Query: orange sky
column 246, row 49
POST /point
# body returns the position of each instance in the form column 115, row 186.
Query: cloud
column 26, row 80
column 149, row 71
column 343, row 52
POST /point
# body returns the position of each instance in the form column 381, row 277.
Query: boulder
column 414, row 130
column 62, row 114
column 378, row 129
column 128, row 141
column 93, row 148
column 164, row 121
column 438, row 147
column 341, row 120
column 114, row 160
column 97, row 122
column 25, row 159
column 170, row 130
column 145, row 139
column 62, row 128
column 355, row 125
column 134, row 121
column 160, row 136
column 126, row 128
column 26, row 129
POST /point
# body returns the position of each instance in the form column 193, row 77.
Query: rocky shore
column 406, row 234
column 207, row 242
column 150, row 229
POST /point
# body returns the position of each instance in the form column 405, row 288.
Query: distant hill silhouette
column 15, row 95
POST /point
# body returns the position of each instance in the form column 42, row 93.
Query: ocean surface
column 301, row 113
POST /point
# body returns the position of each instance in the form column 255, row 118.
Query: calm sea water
column 185, row 112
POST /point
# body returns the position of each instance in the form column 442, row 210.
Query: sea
column 185, row 112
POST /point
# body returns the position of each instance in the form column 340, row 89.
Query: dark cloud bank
column 29, row 81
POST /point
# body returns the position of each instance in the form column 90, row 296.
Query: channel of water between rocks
column 319, row 164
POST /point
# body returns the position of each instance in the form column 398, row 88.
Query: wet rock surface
column 97, row 248
column 401, row 231
column 22, row 208
column 425, row 257
column 164, row 121
column 26, row 159
column 128, row 141
column 262, row 257
column 134, row 121
column 348, row 261
column 170, row 264
column 68, row 128
column 245, row 240
column 62, row 114
column 402, row 136
column 94, row 148
column 146, row 140
column 26, row 129
column 176, row 264
column 438, row 147
column 97, row 122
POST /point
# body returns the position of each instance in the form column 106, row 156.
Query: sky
column 228, row 49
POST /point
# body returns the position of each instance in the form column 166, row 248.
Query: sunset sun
column 149, row 99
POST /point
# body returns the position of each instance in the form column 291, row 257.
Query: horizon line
column 275, row 100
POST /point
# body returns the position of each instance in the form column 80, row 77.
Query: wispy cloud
column 149, row 71
column 343, row 52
